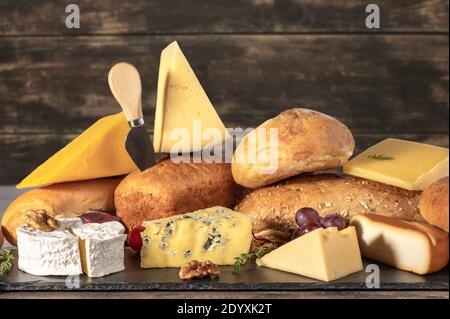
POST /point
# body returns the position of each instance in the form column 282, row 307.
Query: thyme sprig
column 242, row 259
column 6, row 259
column 381, row 157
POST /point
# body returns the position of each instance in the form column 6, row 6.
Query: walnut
column 39, row 220
column 197, row 269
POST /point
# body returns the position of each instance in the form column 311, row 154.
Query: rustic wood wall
column 254, row 58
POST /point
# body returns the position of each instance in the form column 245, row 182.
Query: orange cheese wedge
column 98, row 152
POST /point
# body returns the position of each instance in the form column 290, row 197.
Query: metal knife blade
column 139, row 146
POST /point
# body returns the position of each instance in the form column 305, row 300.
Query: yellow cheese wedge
column 404, row 164
column 97, row 152
column 182, row 106
column 324, row 254
column 217, row 234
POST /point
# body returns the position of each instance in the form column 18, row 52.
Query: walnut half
column 39, row 220
column 199, row 269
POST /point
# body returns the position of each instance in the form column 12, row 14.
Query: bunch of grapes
column 308, row 219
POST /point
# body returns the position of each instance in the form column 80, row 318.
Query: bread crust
column 308, row 141
column 434, row 203
column 274, row 207
column 60, row 199
column 168, row 188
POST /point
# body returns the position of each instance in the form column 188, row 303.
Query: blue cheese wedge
column 217, row 234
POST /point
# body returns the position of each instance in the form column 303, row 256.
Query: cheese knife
column 125, row 84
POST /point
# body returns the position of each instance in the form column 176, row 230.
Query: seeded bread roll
column 61, row 199
column 273, row 208
column 434, row 204
column 307, row 141
column 168, row 189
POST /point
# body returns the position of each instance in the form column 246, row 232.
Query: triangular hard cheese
column 185, row 119
column 97, row 152
column 325, row 254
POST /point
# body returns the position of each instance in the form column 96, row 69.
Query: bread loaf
column 168, row 188
column 60, row 199
column 307, row 141
column 434, row 203
column 273, row 208
column 410, row 246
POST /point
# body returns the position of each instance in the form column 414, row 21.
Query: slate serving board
column 251, row 277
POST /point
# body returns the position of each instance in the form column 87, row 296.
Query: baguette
column 168, row 189
column 61, row 199
column 411, row 246
column 273, row 208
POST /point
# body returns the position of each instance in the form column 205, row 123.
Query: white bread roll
column 307, row 141
column 411, row 246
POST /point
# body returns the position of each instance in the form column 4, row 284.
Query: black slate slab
column 250, row 278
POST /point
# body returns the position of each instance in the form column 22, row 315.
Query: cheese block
column 48, row 253
column 101, row 247
column 325, row 254
column 185, row 119
column 405, row 164
column 410, row 246
column 97, row 152
column 97, row 249
column 217, row 234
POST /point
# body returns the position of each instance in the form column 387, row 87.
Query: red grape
column 305, row 229
column 309, row 228
column 135, row 239
column 334, row 220
column 307, row 215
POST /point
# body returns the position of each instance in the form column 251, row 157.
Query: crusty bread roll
column 60, row 199
column 273, row 207
column 168, row 189
column 308, row 141
column 410, row 246
column 434, row 204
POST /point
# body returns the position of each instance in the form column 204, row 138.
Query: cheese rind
column 182, row 106
column 101, row 247
column 217, row 234
column 325, row 254
column 97, row 152
column 93, row 248
column 48, row 253
column 410, row 246
column 412, row 166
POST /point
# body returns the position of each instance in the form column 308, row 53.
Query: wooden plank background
column 254, row 58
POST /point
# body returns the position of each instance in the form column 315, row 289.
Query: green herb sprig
column 6, row 259
column 381, row 157
column 242, row 259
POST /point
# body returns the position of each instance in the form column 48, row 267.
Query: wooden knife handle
column 125, row 84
